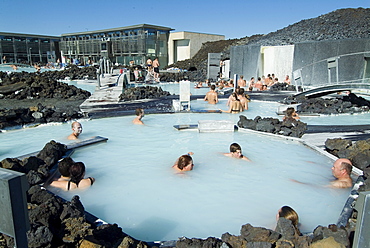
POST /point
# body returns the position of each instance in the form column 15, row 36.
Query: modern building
column 184, row 45
column 121, row 45
column 28, row 48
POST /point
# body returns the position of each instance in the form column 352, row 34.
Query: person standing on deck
column 156, row 69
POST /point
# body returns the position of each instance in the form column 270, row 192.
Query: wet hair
column 241, row 91
column 235, row 95
column 289, row 214
column 346, row 166
column 213, row 87
column 183, row 161
column 64, row 166
column 139, row 111
column 77, row 172
column 234, row 147
column 289, row 112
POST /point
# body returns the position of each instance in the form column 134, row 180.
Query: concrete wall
column 244, row 60
column 277, row 60
column 310, row 63
column 213, row 65
column 345, row 57
column 187, row 51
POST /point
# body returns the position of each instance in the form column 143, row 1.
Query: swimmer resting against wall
column 341, row 170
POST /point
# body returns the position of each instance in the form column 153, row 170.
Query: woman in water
column 289, row 214
column 235, row 105
column 77, row 173
column 184, row 163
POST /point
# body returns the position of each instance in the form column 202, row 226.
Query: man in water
column 236, row 152
column 341, row 170
column 76, row 130
column 139, row 114
column 211, row 95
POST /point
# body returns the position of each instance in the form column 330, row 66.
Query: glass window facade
column 120, row 45
column 28, row 49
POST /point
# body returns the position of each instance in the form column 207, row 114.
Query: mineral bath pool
column 137, row 188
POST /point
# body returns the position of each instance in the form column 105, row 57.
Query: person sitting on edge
column 139, row 115
column 287, row 79
column 341, row 170
column 211, row 95
column 236, row 152
column 290, row 114
column 76, row 130
column 241, row 81
column 184, row 163
column 289, row 214
column 77, row 172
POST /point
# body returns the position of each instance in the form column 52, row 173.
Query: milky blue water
column 137, row 188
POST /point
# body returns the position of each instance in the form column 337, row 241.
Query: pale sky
column 234, row 19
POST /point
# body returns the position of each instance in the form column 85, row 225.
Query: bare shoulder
column 341, row 184
column 59, row 184
column 246, row 159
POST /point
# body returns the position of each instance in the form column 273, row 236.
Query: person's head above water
column 236, row 150
column 77, row 172
column 184, row 163
column 139, row 115
column 64, row 166
column 289, row 214
column 341, row 170
column 76, row 130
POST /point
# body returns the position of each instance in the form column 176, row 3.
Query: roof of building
column 29, row 35
column 120, row 28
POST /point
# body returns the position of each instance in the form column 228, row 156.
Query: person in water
column 63, row 167
column 139, row 115
column 236, row 152
column 341, row 170
column 76, row 130
column 235, row 105
column 184, row 163
column 211, row 95
column 290, row 114
column 77, row 180
column 289, row 214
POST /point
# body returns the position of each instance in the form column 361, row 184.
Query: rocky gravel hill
column 340, row 24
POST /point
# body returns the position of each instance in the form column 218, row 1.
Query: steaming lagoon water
column 137, row 188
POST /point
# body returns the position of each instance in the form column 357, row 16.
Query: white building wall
column 277, row 60
column 195, row 43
